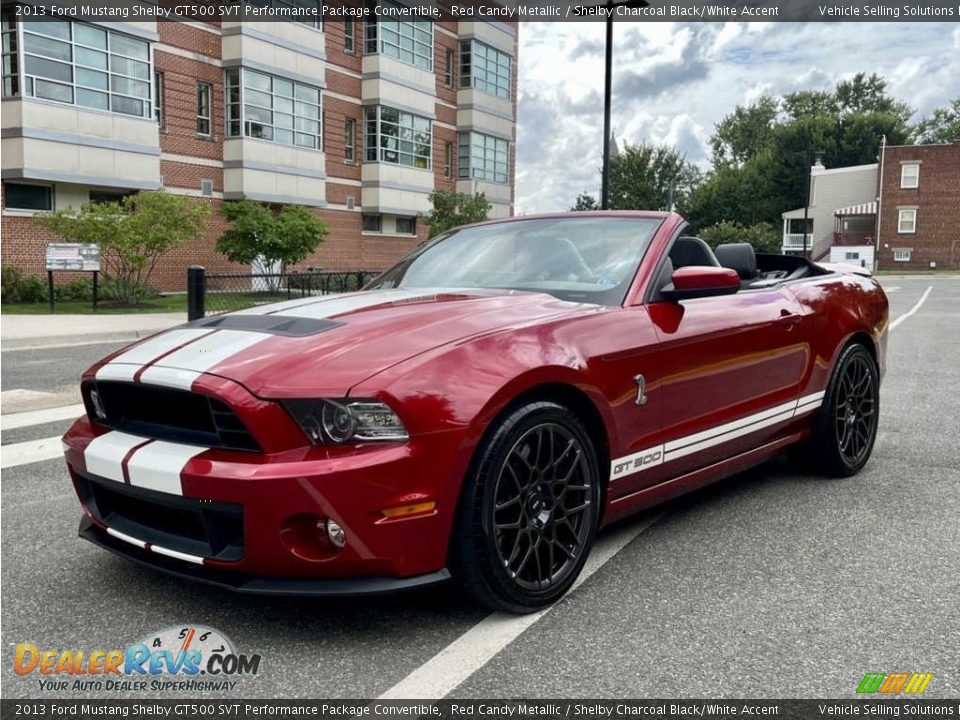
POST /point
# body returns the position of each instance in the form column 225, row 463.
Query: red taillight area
column 307, row 537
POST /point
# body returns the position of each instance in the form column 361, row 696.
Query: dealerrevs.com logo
column 188, row 658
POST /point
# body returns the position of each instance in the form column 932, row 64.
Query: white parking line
column 30, row 452
column 442, row 673
column 39, row 417
column 912, row 310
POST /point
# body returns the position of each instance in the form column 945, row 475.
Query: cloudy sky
column 672, row 82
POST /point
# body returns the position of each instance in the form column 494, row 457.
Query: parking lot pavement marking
column 446, row 670
column 40, row 417
column 912, row 310
column 30, row 452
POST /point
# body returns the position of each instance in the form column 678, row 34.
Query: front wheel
column 846, row 427
column 528, row 511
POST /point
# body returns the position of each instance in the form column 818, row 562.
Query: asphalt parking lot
column 774, row 583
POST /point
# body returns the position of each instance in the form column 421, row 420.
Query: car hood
column 314, row 347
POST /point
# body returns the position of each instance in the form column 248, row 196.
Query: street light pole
column 607, row 93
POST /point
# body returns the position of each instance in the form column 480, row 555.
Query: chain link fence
column 216, row 293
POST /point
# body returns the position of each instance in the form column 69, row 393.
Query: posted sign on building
column 73, row 256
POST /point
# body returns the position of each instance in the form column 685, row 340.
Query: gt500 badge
column 630, row 464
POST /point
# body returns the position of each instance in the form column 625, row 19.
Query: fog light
column 336, row 534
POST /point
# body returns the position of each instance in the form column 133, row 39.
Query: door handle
column 789, row 318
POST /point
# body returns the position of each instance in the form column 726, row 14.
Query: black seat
column 740, row 257
column 688, row 251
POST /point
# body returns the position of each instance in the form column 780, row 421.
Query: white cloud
column 674, row 81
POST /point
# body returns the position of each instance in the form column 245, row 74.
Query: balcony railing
column 853, row 238
column 794, row 241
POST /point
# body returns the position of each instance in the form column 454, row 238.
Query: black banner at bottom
column 479, row 709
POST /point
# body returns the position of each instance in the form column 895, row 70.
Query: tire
column 528, row 510
column 845, row 429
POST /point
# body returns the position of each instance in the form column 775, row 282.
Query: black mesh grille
column 170, row 414
column 196, row 527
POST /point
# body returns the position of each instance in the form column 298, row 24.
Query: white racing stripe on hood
column 157, row 466
column 339, row 305
column 169, row 377
column 125, row 365
column 201, row 356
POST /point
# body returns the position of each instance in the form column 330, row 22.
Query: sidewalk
column 20, row 331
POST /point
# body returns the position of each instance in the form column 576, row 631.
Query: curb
column 53, row 341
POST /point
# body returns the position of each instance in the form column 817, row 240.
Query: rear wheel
column 846, row 427
column 528, row 511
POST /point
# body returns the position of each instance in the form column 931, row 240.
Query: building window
column 851, row 256
column 348, row 35
column 350, row 140
column 372, row 223
column 406, row 226
column 398, row 137
column 79, row 64
column 483, row 157
column 910, row 175
column 158, row 98
column 8, row 35
column 448, row 69
column 447, row 160
column 907, row 221
column 203, row 108
column 109, row 196
column 29, row 197
column 484, row 68
column 408, row 41
column 902, row 254
column 273, row 109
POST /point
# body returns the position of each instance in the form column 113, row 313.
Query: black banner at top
column 315, row 12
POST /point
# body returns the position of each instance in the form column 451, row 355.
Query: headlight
column 346, row 420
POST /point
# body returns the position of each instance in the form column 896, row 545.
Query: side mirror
column 697, row 281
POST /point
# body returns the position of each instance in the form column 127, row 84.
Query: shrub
column 762, row 236
column 18, row 288
column 77, row 290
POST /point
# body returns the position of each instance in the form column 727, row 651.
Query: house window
column 907, row 221
column 902, row 254
column 406, row 226
column 79, row 64
column 203, row 108
column 349, row 140
column 447, row 160
column 409, row 42
column 109, row 196
column 158, row 98
column 483, row 157
column 851, row 256
column 448, row 69
column 398, row 137
column 272, row 109
column 910, row 175
column 8, row 35
column 348, row 35
column 484, row 68
column 29, row 197
column 372, row 223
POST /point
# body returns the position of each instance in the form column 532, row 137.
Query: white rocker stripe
column 157, row 466
column 104, row 455
column 126, row 538
column 196, row 559
column 681, row 447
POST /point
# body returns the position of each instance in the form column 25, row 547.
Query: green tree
column 585, row 201
column 452, row 209
column 650, row 177
column 762, row 236
column 262, row 238
column 745, row 132
column 132, row 233
column 942, row 126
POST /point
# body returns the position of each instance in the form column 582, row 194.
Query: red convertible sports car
column 478, row 411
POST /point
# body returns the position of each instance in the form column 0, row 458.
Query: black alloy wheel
column 528, row 510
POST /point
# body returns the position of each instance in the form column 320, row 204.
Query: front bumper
column 253, row 522
column 243, row 583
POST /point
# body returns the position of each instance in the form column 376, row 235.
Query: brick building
column 918, row 216
column 358, row 119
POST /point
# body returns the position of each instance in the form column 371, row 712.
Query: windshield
column 583, row 259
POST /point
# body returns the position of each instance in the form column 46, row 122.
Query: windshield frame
column 613, row 296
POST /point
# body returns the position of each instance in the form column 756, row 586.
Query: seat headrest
column 738, row 256
column 691, row 251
